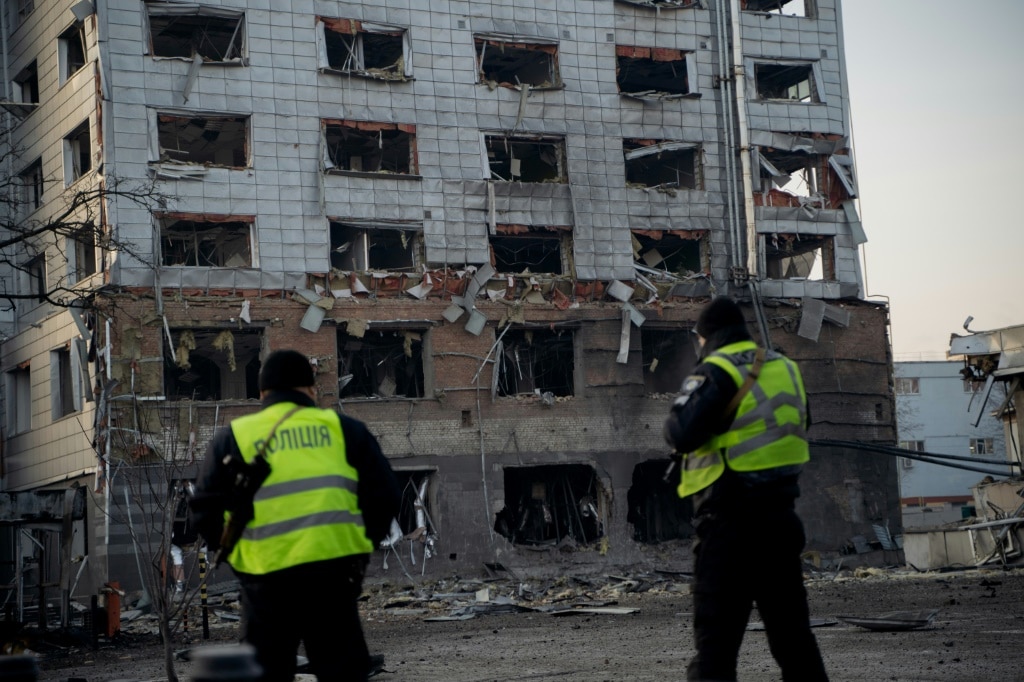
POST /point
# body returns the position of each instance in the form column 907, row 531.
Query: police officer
column 328, row 501
column 740, row 426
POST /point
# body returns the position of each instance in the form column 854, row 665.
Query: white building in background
column 936, row 411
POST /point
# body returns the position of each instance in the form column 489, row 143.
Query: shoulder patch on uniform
column 692, row 383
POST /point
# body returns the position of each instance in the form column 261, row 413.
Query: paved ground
column 976, row 635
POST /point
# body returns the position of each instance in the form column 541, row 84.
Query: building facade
column 490, row 226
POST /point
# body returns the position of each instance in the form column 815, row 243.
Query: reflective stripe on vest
column 769, row 428
column 308, row 509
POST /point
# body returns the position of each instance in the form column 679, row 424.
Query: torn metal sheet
column 420, row 291
column 853, row 220
column 603, row 610
column 476, row 322
column 620, row 291
column 635, row 316
column 193, row 75
column 811, row 318
column 756, row 626
column 657, row 148
column 244, row 314
column 623, row 357
column 452, row 313
column 897, row 620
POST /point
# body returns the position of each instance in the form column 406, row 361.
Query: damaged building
column 492, row 233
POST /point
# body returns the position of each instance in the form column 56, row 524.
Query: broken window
column 526, row 158
column 797, row 8
column 30, row 186
column 510, row 63
column 212, row 364
column 380, row 363
column 207, row 241
column 797, row 178
column 375, row 246
column 654, row 72
column 19, row 399
column 549, row 505
column 369, row 147
column 216, row 35
column 71, row 50
column 678, row 252
column 669, row 355
column 527, row 248
column 26, row 85
column 77, row 153
column 62, row 388
column 982, row 446
column 656, row 511
column 414, row 521
column 536, row 361
column 793, row 81
column 363, row 49
column 799, row 256
column 907, row 386
column 82, row 261
column 660, row 163
column 207, row 140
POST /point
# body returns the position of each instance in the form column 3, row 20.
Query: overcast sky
column 938, row 102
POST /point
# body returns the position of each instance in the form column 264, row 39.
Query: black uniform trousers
column 748, row 558
column 315, row 604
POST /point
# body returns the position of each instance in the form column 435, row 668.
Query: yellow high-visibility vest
column 308, row 508
column 769, row 429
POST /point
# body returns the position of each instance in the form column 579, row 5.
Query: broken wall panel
column 661, row 163
column 513, row 63
column 191, row 240
column 546, row 505
column 360, row 48
column 387, row 363
column 204, row 140
column 186, row 31
column 526, row 158
column 370, row 147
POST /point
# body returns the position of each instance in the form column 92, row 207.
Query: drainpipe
column 725, row 83
column 741, row 113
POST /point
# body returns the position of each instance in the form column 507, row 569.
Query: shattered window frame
column 26, row 84
column 64, row 390
column 786, row 256
column 387, row 362
column 370, row 50
column 30, row 187
column 500, row 159
column 798, row 178
column 654, row 73
column 212, row 43
column 72, row 51
column 643, row 157
column 675, row 251
column 552, row 504
column 519, row 248
column 907, row 386
column 667, row 349
column 415, row 519
column 769, row 82
column 655, row 510
column 210, row 353
column 175, row 144
column 532, row 62
column 78, row 160
column 195, row 241
column 19, row 399
column 807, row 8
column 357, row 245
column 393, row 155
column 82, row 260
column 536, row 360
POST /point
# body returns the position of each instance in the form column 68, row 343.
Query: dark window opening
column 62, row 399
column 516, row 63
column 793, row 82
column 648, row 71
column 536, row 361
column 77, row 153
column 792, row 178
column 84, row 243
column 30, row 186
column 214, row 141
column 799, row 256
column 371, row 147
column 213, row 364
column 214, row 38
column 381, row 364
column 532, row 250
column 26, row 85
column 797, row 8
column 669, row 356
column 71, row 50
column 549, row 505
column 655, row 509
column 677, row 252
column 197, row 243
column 658, row 163
column 414, row 519
column 19, row 400
column 35, row 277
column 526, row 159
column 351, row 48
column 359, row 247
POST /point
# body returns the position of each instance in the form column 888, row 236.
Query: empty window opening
column 526, row 158
column 799, row 256
column 535, row 361
column 525, row 248
column 511, row 64
column 658, row 163
column 214, row 34
column 77, row 153
column 26, row 85
column 71, row 50
column 794, row 82
column 19, row 399
column 681, row 253
column 364, row 49
column 32, row 278
column 355, row 246
column 415, row 519
column 796, row 8
column 206, row 242
column 669, row 356
column 800, row 179
column 656, row 511
column 369, row 147
column 62, row 389
column 213, row 364
column 381, row 364
column 212, row 141
column 549, row 505
column 652, row 71
column 30, row 186
column 82, row 263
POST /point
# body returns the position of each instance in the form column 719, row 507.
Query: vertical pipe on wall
column 741, row 114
